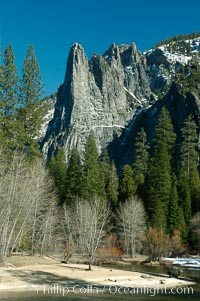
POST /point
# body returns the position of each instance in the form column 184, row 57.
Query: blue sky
column 52, row 26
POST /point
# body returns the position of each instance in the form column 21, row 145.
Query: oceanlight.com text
column 113, row 289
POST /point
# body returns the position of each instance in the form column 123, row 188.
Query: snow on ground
column 108, row 126
column 184, row 262
column 47, row 118
column 130, row 93
column 177, row 56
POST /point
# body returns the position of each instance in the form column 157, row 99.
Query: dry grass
column 19, row 261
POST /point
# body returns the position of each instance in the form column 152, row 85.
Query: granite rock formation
column 101, row 95
column 117, row 93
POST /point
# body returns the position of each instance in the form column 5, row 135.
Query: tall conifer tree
column 176, row 220
column 184, row 196
column 31, row 90
column 110, row 177
column 9, row 85
column 158, row 183
column 141, row 158
column 74, row 177
column 188, row 164
column 112, row 187
column 93, row 178
column 188, row 149
column 164, row 132
column 158, row 188
column 127, row 187
column 57, row 168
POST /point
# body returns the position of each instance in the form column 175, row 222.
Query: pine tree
column 110, row 178
column 112, row 186
column 195, row 190
column 9, row 82
column 189, row 160
column 92, row 175
column 30, row 112
column 158, row 182
column 173, row 219
column 105, row 167
column 57, row 168
column 184, row 197
column 176, row 219
column 74, row 177
column 141, row 158
column 158, row 188
column 188, row 148
column 164, row 132
column 127, row 187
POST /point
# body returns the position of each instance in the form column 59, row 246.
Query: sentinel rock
column 101, row 95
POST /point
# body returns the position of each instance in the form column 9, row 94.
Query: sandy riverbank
column 30, row 277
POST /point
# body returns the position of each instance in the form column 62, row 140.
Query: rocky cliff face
column 117, row 93
column 101, row 95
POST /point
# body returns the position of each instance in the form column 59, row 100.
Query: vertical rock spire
column 101, row 95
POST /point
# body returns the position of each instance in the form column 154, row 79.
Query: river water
column 95, row 294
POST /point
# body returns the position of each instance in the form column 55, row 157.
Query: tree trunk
column 90, row 267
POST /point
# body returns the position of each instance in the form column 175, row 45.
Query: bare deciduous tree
column 131, row 223
column 67, row 226
column 43, row 210
column 156, row 244
column 12, row 204
column 85, row 222
column 27, row 203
